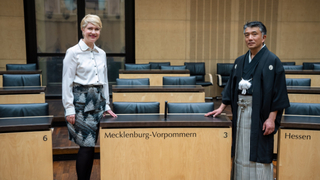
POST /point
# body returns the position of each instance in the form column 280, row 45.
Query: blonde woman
column 85, row 93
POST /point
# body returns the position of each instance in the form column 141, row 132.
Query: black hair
column 259, row 24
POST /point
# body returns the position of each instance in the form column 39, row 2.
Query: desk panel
column 298, row 158
column 154, row 79
column 304, row 98
column 198, row 149
column 26, row 155
column 159, row 97
column 22, row 98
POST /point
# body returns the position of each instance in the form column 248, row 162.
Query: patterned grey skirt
column 89, row 105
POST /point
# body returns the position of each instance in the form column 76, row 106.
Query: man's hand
column 217, row 111
column 268, row 127
column 71, row 119
column 109, row 112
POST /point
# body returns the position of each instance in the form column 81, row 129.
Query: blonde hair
column 93, row 19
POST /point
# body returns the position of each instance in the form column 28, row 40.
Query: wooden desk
column 22, row 94
column 144, row 147
column 304, row 94
column 155, row 75
column 26, row 148
column 312, row 74
column 170, row 93
column 19, row 72
column 298, row 151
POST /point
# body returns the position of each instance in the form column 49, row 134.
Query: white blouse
column 85, row 66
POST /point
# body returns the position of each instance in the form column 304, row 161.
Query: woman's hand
column 71, row 119
column 109, row 112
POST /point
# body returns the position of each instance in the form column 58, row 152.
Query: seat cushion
column 26, row 67
column 135, row 107
column 190, row 107
column 303, row 109
column 173, row 67
column 316, row 66
column 298, row 82
column 203, row 83
column 293, row 67
column 309, row 65
column 191, row 80
column 142, row 81
column 288, row 63
column 21, row 110
column 157, row 65
column 21, row 80
column 136, row 66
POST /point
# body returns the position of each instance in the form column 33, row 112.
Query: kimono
column 269, row 93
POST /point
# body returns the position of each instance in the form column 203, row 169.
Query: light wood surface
column 304, row 98
column 22, row 98
column 315, row 79
column 298, row 159
column 26, row 155
column 206, row 155
column 159, row 97
column 155, row 79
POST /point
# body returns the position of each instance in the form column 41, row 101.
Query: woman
column 85, row 92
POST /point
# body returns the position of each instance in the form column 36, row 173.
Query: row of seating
column 195, row 69
column 42, row 109
column 167, row 80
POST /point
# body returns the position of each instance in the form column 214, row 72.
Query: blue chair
column 136, row 66
column 135, row 107
column 316, row 67
column 189, row 80
column 298, row 82
column 223, row 73
column 25, row 67
column 288, row 63
column 303, row 109
column 198, row 70
column 21, row 80
column 173, row 67
column 142, row 81
column 21, row 110
column 190, row 107
column 157, row 65
column 293, row 67
column 309, row 65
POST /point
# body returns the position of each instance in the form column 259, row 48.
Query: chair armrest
column 210, row 77
column 220, row 80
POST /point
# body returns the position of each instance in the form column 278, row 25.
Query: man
column 257, row 93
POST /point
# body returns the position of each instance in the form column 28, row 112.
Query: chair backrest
column 224, row 70
column 135, row 107
column 21, row 80
column 136, row 66
column 173, row 67
column 298, row 82
column 309, row 65
column 316, row 67
column 292, row 67
column 303, row 109
column 189, row 80
column 157, row 65
column 25, row 67
column 21, row 110
column 190, row 107
column 196, row 69
column 142, row 81
column 288, row 63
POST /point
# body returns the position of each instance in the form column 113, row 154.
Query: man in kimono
column 257, row 93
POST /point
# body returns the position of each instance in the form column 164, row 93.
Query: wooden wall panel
column 12, row 34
